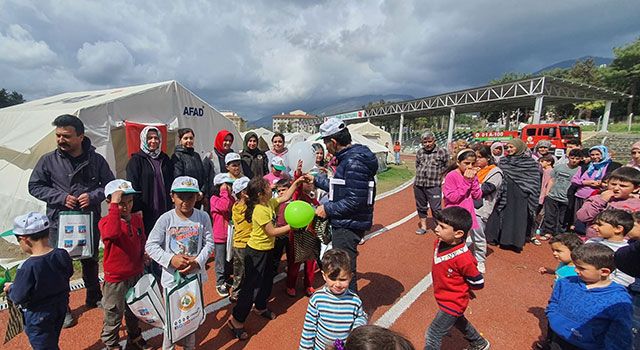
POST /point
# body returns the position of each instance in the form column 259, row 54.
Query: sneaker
column 421, row 231
column 485, row 345
column 69, row 321
column 137, row 344
column 310, row 291
column 291, row 292
column 481, row 267
column 222, row 290
column 536, row 241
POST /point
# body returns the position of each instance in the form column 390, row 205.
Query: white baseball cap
column 30, row 223
column 240, row 184
column 185, row 184
column 278, row 163
column 119, row 185
column 331, row 126
column 231, row 157
column 222, row 178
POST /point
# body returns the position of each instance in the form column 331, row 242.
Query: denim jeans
column 397, row 158
column 43, row 327
column 442, row 324
column 222, row 266
column 348, row 240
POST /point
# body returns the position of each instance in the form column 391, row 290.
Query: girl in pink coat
column 461, row 184
column 221, row 203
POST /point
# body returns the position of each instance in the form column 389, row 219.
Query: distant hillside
column 353, row 103
column 569, row 63
column 264, row 122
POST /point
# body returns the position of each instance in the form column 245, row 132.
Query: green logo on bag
column 187, row 301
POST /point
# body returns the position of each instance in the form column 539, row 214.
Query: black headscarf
column 246, row 148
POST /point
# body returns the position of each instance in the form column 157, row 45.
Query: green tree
column 624, row 73
column 9, row 99
column 509, row 77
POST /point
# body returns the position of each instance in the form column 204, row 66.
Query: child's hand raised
column 543, row 270
column 606, row 195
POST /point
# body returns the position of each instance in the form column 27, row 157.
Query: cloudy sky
column 265, row 57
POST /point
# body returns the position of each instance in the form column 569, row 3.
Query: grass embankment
column 617, row 127
column 395, row 176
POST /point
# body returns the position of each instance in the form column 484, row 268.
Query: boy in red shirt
column 454, row 273
column 124, row 258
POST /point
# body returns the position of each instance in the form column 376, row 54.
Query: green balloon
column 299, row 214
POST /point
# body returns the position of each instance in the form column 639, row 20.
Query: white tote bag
column 75, row 234
column 145, row 301
column 185, row 307
column 230, row 242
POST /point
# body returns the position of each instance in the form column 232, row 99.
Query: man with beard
column 72, row 178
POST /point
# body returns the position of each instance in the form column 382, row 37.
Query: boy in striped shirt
column 333, row 311
column 454, row 273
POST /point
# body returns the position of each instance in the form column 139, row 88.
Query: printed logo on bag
column 187, row 301
column 68, row 229
column 143, row 311
column 68, row 243
column 82, row 229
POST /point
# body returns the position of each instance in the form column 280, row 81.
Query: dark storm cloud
column 264, row 57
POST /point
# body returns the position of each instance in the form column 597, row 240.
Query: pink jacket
column 461, row 192
column 595, row 204
column 221, row 214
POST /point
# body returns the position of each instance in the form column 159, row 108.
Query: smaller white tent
column 375, row 134
column 380, row 151
column 294, row 137
column 28, row 133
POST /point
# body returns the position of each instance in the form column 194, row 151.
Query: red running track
column 509, row 311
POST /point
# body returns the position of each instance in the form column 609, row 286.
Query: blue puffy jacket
column 357, row 166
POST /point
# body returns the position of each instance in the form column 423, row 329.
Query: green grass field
column 617, row 127
column 395, row 176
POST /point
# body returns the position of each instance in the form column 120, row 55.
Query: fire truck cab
column 557, row 133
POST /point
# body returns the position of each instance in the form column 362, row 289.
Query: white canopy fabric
column 29, row 134
column 380, row 151
column 375, row 134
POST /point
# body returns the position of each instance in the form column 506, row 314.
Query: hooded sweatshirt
column 596, row 318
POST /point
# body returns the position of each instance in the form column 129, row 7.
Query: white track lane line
column 390, row 317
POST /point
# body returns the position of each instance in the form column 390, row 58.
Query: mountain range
column 354, row 103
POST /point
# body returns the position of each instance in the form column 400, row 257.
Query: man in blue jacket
column 351, row 191
column 72, row 178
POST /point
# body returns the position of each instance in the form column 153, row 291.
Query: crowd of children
column 593, row 305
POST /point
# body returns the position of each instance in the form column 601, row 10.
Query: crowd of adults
column 513, row 186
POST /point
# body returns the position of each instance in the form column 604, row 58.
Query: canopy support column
column 605, row 117
column 401, row 127
column 537, row 110
column 452, row 117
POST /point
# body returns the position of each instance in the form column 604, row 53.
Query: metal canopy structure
column 521, row 93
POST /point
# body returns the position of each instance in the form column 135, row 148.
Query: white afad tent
column 380, row 151
column 28, row 133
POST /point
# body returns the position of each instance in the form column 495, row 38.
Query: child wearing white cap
column 278, row 171
column 234, row 167
column 124, row 238
column 48, row 269
column 181, row 240
column 241, row 232
column 220, row 203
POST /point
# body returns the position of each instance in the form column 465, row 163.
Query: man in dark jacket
column 352, row 193
column 72, row 178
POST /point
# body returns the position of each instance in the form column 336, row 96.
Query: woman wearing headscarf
column 635, row 156
column 151, row 172
column 214, row 163
column 497, row 151
column 522, row 180
column 254, row 162
column 543, row 147
column 588, row 180
column 186, row 161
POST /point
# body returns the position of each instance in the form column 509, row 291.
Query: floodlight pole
column 537, row 110
column 605, row 117
column 452, row 117
column 401, row 126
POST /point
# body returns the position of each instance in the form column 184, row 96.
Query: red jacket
column 454, row 273
column 123, row 245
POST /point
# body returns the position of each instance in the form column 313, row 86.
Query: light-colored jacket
column 489, row 202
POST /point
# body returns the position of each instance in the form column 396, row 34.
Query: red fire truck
column 557, row 133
